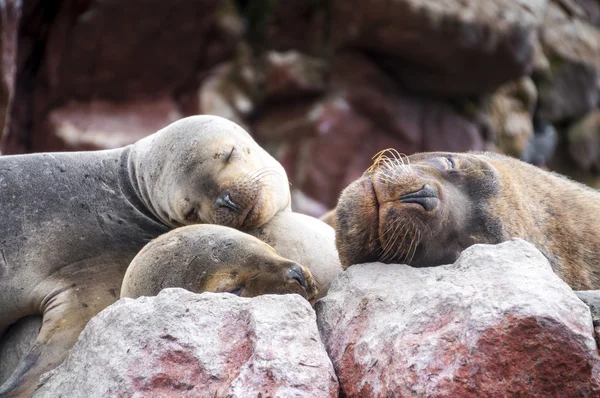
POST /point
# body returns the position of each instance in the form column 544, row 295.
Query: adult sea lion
column 305, row 240
column 213, row 258
column 425, row 209
column 72, row 222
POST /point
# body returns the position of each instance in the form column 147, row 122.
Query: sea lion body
column 214, row 258
column 425, row 209
column 305, row 240
column 72, row 222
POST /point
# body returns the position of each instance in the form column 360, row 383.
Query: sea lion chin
column 425, row 209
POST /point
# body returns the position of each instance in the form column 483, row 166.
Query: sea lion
column 213, row 258
column 305, row 240
column 72, row 222
column 424, row 210
column 329, row 217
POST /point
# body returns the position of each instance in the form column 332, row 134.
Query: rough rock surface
column 182, row 344
column 570, row 86
column 328, row 145
column 511, row 109
column 105, row 125
column 442, row 46
column 498, row 322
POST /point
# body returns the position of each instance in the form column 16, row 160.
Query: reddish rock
column 150, row 49
column 440, row 46
column 103, row 125
column 180, row 344
column 327, row 146
column 292, row 74
column 498, row 322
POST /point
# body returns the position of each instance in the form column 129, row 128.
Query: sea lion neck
column 134, row 187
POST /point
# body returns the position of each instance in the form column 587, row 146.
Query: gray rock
column 498, row 322
column 592, row 299
column 189, row 345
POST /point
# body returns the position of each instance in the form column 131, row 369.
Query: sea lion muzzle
column 426, row 197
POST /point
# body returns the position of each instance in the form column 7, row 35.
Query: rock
column 511, row 110
column 147, row 51
column 570, row 87
column 292, row 74
column 541, row 148
column 584, row 142
column 443, row 47
column 104, row 125
column 16, row 343
column 327, row 146
column 285, row 25
column 113, row 51
column 10, row 18
column 182, row 344
column 498, row 322
column 592, row 299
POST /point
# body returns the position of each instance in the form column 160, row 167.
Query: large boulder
column 498, row 322
column 104, row 125
column 182, row 344
column 569, row 86
column 448, row 47
column 328, row 143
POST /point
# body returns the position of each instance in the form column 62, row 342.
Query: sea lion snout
column 427, row 197
column 295, row 273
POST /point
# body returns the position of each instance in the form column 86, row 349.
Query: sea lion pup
column 212, row 258
column 307, row 241
column 72, row 222
column 424, row 210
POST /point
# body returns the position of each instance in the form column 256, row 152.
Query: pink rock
column 498, row 322
column 291, row 73
column 180, row 344
column 103, row 125
column 326, row 147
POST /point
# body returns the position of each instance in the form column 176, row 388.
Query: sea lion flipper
column 67, row 309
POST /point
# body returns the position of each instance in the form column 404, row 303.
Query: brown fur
column 481, row 198
column 213, row 258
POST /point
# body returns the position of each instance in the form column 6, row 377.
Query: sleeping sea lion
column 72, row 222
column 305, row 240
column 424, row 210
column 213, row 258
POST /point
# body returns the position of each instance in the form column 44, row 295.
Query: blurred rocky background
column 321, row 84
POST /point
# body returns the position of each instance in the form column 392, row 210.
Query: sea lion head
column 206, row 169
column 421, row 210
column 213, row 258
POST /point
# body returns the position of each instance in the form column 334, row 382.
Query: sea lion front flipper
column 67, row 307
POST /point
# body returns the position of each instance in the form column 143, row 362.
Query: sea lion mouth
column 248, row 221
column 426, row 197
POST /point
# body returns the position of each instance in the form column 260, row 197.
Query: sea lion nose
column 295, row 273
column 426, row 197
column 224, row 200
